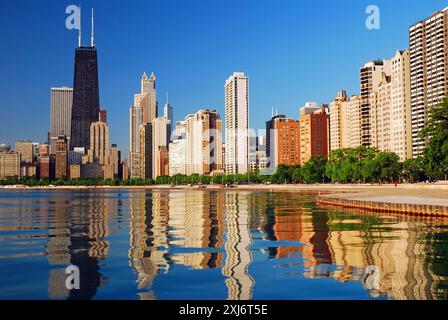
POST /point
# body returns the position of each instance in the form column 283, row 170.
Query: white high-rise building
column 400, row 109
column 370, row 77
column 428, row 46
column 177, row 156
column 61, row 114
column 198, row 143
column 237, row 123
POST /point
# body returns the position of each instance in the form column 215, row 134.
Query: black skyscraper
column 86, row 101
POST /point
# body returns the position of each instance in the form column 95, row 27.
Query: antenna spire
column 92, row 35
column 79, row 31
column 167, row 98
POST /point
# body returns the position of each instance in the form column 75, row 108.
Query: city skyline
column 394, row 35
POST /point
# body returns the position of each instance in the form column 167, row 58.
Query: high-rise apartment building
column 337, row 124
column 428, row 46
column 177, row 156
column 370, row 75
column 207, row 142
column 237, row 123
column 351, row 114
column 314, row 134
column 287, row 141
column 380, row 114
column 61, row 114
column 197, row 144
column 400, row 109
column 61, row 157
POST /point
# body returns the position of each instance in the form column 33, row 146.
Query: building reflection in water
column 238, row 255
column 77, row 233
column 395, row 256
column 197, row 222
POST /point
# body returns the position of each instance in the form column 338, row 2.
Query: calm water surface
column 213, row 245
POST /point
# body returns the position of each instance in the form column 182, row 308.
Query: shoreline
column 410, row 199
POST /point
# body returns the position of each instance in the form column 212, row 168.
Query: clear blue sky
column 293, row 51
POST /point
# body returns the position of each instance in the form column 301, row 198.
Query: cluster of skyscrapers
column 392, row 107
column 78, row 141
column 396, row 95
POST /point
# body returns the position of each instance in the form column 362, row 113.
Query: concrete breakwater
column 424, row 206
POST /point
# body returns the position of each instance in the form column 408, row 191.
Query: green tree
column 436, row 131
column 314, row 170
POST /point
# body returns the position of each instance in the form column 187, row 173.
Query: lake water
column 213, row 245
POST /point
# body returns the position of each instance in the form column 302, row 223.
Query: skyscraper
column 370, row 75
column 401, row 120
column 142, row 112
column 149, row 97
column 99, row 142
column 160, row 139
column 203, row 146
column 61, row 157
column 61, row 114
column 237, row 123
column 86, row 101
column 284, row 141
column 145, row 151
column 428, row 41
column 314, row 135
column 337, row 125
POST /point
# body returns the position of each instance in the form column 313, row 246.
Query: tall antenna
column 92, row 35
column 79, row 31
column 167, row 98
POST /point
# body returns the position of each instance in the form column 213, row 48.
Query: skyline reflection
column 240, row 241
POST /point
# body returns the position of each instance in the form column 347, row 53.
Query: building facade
column 61, row 157
column 370, row 77
column 428, row 47
column 237, row 123
column 338, row 124
column 86, row 100
column 61, row 114
column 314, row 135
column 9, row 165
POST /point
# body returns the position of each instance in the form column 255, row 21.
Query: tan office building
column 9, row 165
column 26, row 150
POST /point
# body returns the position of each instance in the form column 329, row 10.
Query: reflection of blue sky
column 307, row 270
